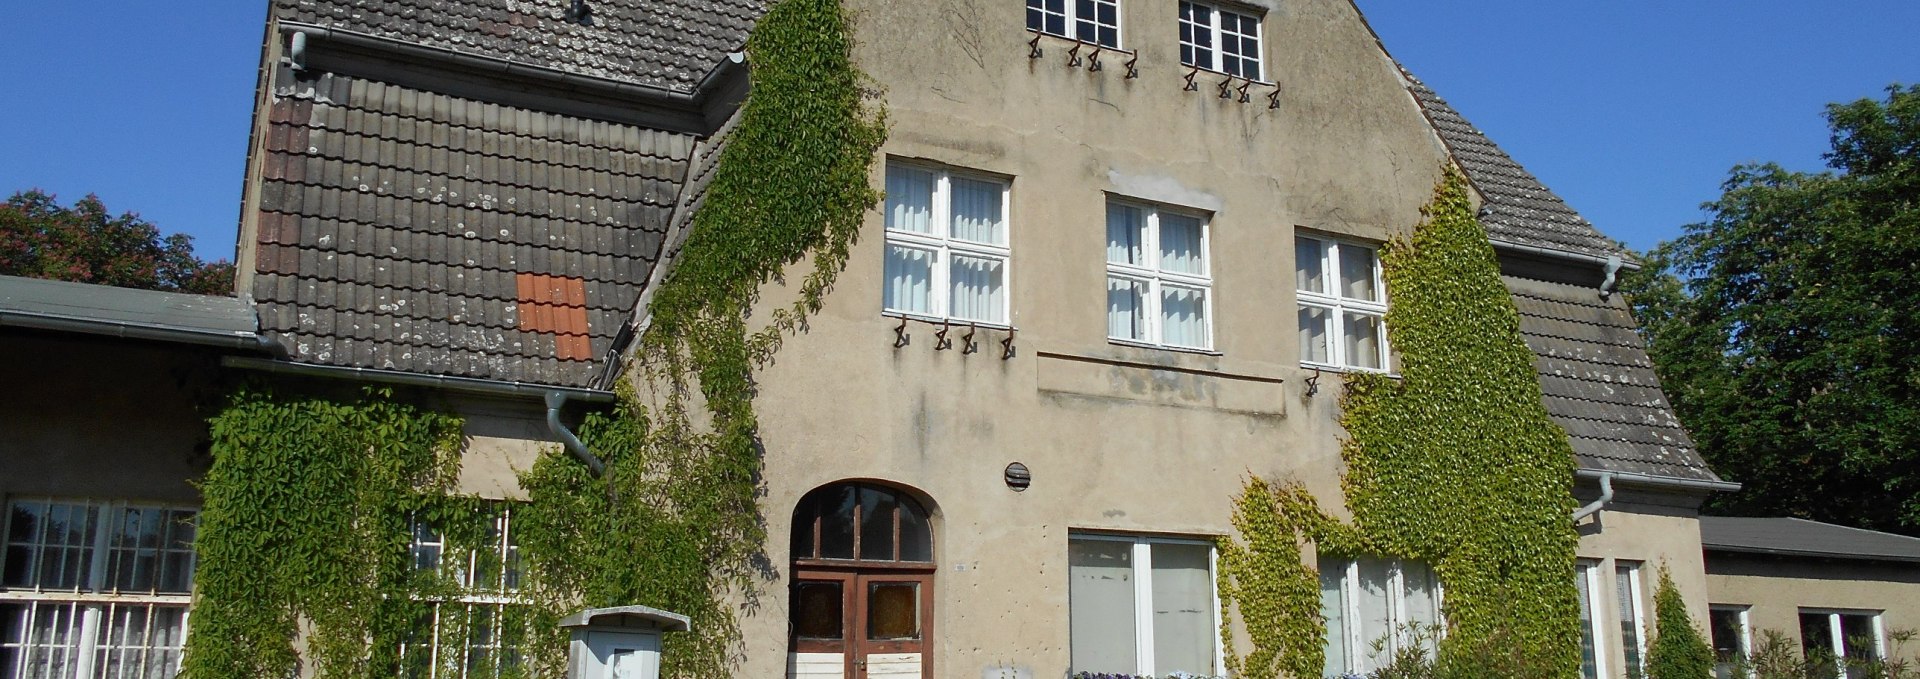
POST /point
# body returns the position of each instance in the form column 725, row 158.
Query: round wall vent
column 1018, row 478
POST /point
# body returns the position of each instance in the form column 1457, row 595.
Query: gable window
column 1095, row 22
column 1731, row 644
column 1374, row 608
column 946, row 245
column 1586, row 583
column 1219, row 39
column 1158, row 284
column 1633, row 619
column 1343, row 304
column 1847, row 638
column 90, row 589
column 480, row 629
column 1142, row 606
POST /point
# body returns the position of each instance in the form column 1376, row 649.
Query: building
column 470, row 200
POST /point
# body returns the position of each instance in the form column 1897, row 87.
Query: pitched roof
column 126, row 312
column 1598, row 383
column 408, row 230
column 1800, row 537
column 1518, row 208
column 662, row 43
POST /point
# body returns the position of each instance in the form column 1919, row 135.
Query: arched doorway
column 861, row 605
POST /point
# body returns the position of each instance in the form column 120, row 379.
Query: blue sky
column 1633, row 110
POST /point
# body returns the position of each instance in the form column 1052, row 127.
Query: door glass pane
column 1180, row 247
column 817, row 611
column 1309, row 265
column 836, row 524
column 909, row 284
column 1313, row 335
column 1126, row 309
column 1356, row 274
column 1589, row 659
column 909, row 199
column 1126, row 235
column 1100, row 596
column 1362, row 338
column 979, row 289
column 876, row 524
column 1183, row 316
column 1375, row 623
column 1333, row 605
column 916, row 537
column 801, row 544
column 976, row 211
column 1183, row 629
column 893, row 611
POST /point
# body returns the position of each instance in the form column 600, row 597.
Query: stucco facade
column 1774, row 591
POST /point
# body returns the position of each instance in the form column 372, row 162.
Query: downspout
column 1606, row 494
column 1613, row 277
column 555, row 401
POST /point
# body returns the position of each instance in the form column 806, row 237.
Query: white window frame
column 494, row 599
column 1338, row 306
column 1589, row 570
column 1215, row 33
column 1835, row 631
column 1742, row 614
column 1142, row 562
column 1632, row 571
column 1156, row 278
column 1358, row 644
column 1073, row 19
column 943, row 247
column 94, row 602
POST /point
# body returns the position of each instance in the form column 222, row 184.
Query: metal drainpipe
column 1613, row 277
column 555, row 401
column 1606, row 494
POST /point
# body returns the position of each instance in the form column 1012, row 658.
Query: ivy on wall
column 311, row 502
column 1454, row 463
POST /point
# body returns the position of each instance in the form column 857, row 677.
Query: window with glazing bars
column 1159, row 288
column 1343, row 304
column 946, row 245
column 1376, row 609
column 1216, row 38
column 480, row 632
column 94, row 589
column 1094, row 22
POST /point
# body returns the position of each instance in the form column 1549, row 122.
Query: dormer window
column 1218, row 39
column 1095, row 22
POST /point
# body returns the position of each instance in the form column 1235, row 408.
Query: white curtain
column 1126, row 309
column 1126, row 235
column 1313, row 334
column 909, row 284
column 979, row 289
column 1183, row 316
column 1376, row 622
column 1356, row 274
column 1422, row 601
column 1180, row 248
column 977, row 211
column 1589, row 654
column 1309, row 265
column 909, row 199
column 1362, row 337
column 1624, row 578
column 1101, row 605
column 1333, row 605
column 1183, row 629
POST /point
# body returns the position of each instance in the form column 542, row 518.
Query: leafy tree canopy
column 39, row 238
column 1786, row 327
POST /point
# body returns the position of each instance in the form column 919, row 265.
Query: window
column 1158, row 286
column 1374, row 608
column 1142, row 605
column 1842, row 636
column 1626, row 584
column 946, row 245
column 1587, row 582
column 1094, row 21
column 862, row 523
column 1728, row 625
column 94, row 589
column 480, row 631
column 1343, row 304
column 1219, row 39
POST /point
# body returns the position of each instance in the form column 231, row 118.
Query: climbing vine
column 1454, row 463
column 675, row 521
column 307, row 518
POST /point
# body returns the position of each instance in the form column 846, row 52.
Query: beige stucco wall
column 1650, row 530
column 1775, row 589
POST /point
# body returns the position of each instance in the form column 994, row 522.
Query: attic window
column 1095, row 22
column 556, row 305
column 1220, row 39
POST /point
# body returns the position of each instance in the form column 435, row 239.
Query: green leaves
column 1786, row 328
column 1678, row 650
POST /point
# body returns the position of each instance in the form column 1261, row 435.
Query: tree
column 1786, row 327
column 1678, row 651
column 83, row 243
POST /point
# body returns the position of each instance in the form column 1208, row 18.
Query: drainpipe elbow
column 1606, row 496
column 555, row 401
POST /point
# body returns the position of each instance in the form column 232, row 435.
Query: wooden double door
column 861, row 623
